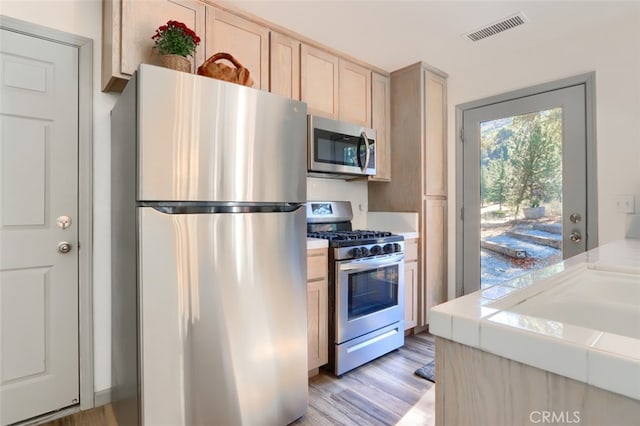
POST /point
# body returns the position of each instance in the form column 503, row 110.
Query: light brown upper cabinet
column 284, row 69
column 381, row 121
column 247, row 41
column 319, row 78
column 127, row 29
column 435, row 95
column 354, row 94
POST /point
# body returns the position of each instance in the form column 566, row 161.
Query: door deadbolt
column 64, row 247
column 575, row 217
column 63, row 222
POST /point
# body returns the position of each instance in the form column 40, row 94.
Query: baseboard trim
column 102, row 397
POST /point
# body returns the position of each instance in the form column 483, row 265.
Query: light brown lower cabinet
column 317, row 309
column 482, row 389
column 411, row 293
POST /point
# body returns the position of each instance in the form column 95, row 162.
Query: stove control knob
column 397, row 247
column 365, row 252
column 388, row 248
column 375, row 250
column 357, row 252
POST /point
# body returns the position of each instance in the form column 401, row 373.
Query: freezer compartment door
column 202, row 139
column 223, row 318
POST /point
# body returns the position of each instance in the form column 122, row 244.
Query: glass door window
column 520, row 194
column 524, row 174
column 372, row 291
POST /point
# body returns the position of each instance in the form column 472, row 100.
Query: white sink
column 605, row 300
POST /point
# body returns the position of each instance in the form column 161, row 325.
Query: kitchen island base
column 479, row 388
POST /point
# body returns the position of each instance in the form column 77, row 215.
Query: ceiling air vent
column 497, row 27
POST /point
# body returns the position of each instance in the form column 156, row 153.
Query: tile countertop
column 579, row 318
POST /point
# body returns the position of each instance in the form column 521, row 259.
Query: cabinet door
column 435, row 253
column 381, row 122
column 354, row 94
column 246, row 41
column 317, row 308
column 435, row 134
column 284, row 69
column 411, row 297
column 317, row 325
column 319, row 81
column 140, row 21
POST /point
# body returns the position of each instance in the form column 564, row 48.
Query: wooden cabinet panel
column 381, row 122
column 411, row 295
column 317, row 303
column 317, row 308
column 435, row 253
column 246, row 41
column 411, row 288
column 317, row 265
column 435, row 140
column 419, row 182
column 319, row 81
column 284, row 72
column 411, row 250
column 354, row 93
column 127, row 29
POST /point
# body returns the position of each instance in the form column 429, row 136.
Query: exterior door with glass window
column 524, row 185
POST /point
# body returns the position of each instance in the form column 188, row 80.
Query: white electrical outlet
column 625, row 203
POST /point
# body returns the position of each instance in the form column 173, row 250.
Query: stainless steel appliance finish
column 209, row 305
column 340, row 148
column 366, row 286
column 195, row 131
column 223, row 341
column 317, row 211
column 368, row 294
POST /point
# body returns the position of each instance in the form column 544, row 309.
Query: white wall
column 84, row 18
column 322, row 189
column 613, row 52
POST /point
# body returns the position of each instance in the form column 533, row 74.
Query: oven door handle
column 368, row 264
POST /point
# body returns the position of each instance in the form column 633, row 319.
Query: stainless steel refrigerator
column 209, row 316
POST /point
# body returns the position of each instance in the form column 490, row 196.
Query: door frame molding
column 589, row 82
column 85, row 194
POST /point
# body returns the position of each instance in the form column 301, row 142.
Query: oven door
column 369, row 295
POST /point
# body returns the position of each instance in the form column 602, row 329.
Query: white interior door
column 38, row 185
column 524, row 185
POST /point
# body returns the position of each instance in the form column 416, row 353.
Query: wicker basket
column 239, row 74
column 176, row 62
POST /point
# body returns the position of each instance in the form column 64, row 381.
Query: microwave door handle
column 358, row 154
column 368, row 154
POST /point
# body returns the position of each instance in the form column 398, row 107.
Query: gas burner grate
column 356, row 235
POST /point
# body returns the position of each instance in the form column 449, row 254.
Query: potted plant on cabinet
column 174, row 41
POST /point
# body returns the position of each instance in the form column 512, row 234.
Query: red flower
column 175, row 37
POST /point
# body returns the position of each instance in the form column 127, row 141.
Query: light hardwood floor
column 382, row 392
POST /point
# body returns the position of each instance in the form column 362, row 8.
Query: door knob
column 64, row 247
column 575, row 236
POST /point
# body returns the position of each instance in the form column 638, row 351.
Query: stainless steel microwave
column 340, row 148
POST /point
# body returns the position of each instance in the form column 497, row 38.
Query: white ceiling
column 391, row 34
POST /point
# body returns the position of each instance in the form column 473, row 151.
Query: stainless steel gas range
column 366, row 286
